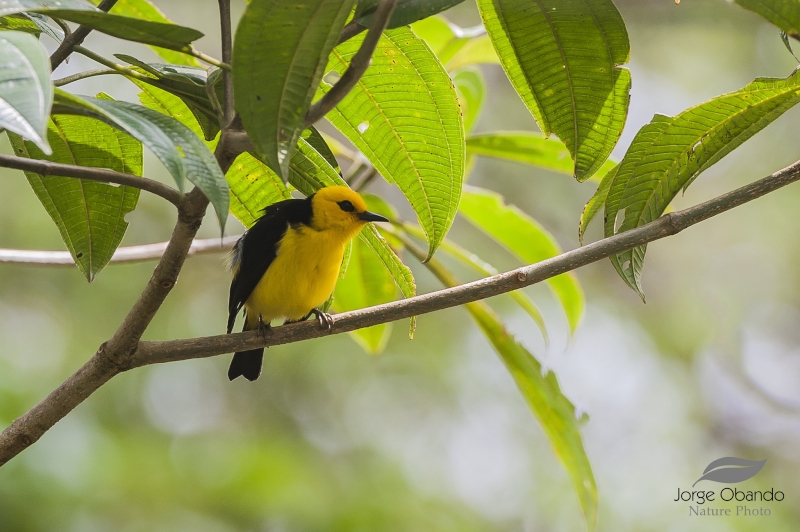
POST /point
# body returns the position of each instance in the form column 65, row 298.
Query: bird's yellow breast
column 301, row 278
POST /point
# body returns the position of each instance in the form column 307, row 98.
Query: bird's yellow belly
column 301, row 278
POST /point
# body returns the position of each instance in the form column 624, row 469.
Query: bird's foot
column 263, row 328
column 325, row 320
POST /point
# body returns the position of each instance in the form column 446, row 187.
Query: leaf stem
column 127, row 71
column 83, row 75
column 208, row 59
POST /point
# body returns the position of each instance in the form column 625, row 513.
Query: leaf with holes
column 562, row 57
column 181, row 151
column 26, row 93
column 525, row 238
column 403, row 115
column 145, row 10
column 89, row 215
column 279, row 55
column 783, row 13
column 529, row 148
column 670, row 152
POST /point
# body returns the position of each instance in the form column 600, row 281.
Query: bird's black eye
column 346, row 206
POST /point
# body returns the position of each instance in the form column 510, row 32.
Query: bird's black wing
column 257, row 248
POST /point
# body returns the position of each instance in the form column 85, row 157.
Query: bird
column 286, row 265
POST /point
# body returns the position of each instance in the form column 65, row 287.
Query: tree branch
column 75, row 38
column 358, row 64
column 125, row 351
column 92, row 174
column 122, row 255
column 669, row 224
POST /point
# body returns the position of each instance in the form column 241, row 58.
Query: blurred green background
column 433, row 434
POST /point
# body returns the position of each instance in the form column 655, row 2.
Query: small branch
column 124, row 351
column 669, row 224
column 122, row 255
column 83, row 75
column 358, row 64
column 227, row 56
column 64, row 26
column 92, row 174
column 208, row 59
column 75, row 38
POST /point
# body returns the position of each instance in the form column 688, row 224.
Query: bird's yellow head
column 342, row 210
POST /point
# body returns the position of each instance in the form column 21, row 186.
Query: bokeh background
column 433, row 435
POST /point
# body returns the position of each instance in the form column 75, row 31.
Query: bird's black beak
column 371, row 217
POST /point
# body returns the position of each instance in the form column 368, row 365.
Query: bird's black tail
column 246, row 364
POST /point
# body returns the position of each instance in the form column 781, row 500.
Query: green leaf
column 542, row 393
column 253, row 186
column 437, row 33
column 562, row 57
column 145, row 10
column 89, row 215
column 165, row 35
column 181, row 151
column 594, row 204
column 529, row 148
column 318, row 142
column 783, row 13
column 403, row 115
column 366, row 283
column 26, row 93
column 8, row 7
column 405, row 12
column 555, row 412
column 20, row 23
column 309, row 171
column 471, row 90
column 279, row 55
column 670, row 152
column 186, row 82
column 475, row 51
column 525, row 238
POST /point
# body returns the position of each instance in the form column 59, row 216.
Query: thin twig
column 83, row 75
column 358, row 64
column 122, row 255
column 125, row 351
column 227, row 55
column 75, row 38
column 92, row 174
column 208, row 59
column 122, row 69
